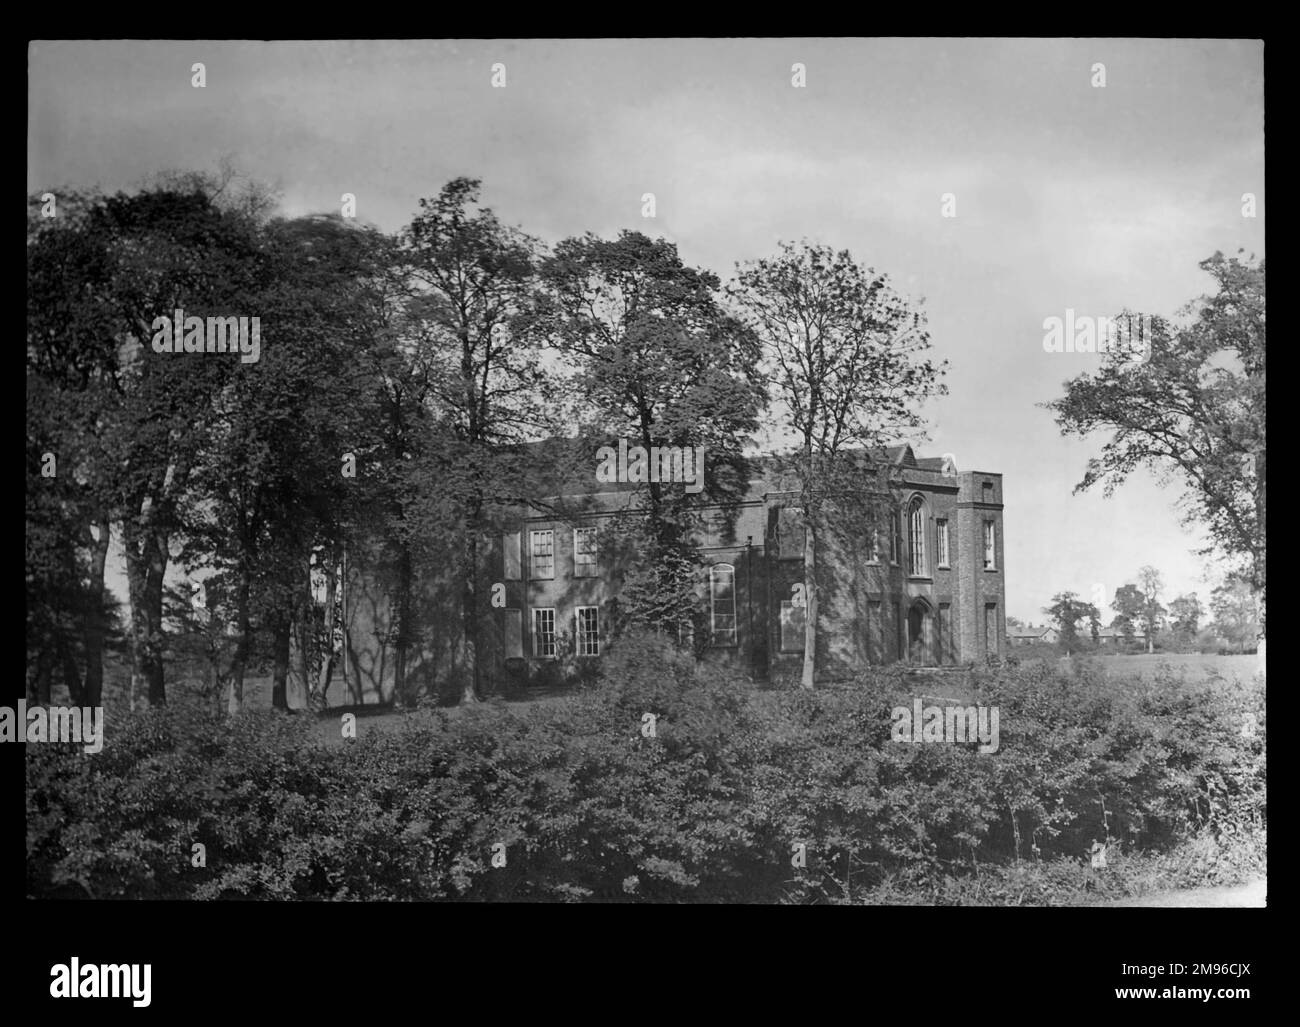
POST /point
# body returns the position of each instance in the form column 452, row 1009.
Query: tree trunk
column 40, row 690
column 243, row 626
column 810, row 598
column 469, row 619
column 280, row 670
column 71, row 675
column 320, row 697
column 36, row 669
column 94, row 625
column 403, row 614
column 304, row 627
column 146, row 565
column 323, row 682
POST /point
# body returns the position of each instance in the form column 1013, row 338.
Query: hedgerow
column 584, row 802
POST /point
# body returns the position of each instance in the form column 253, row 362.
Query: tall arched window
column 722, row 604
column 916, row 537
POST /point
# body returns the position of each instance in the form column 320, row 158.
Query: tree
column 1193, row 411
column 128, row 260
column 1067, row 610
column 1151, row 585
column 472, row 281
column 267, row 488
column 1186, row 613
column 72, row 358
column 842, row 356
column 660, row 363
column 1128, row 605
column 1235, row 614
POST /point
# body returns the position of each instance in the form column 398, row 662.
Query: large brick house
column 923, row 582
column 930, row 590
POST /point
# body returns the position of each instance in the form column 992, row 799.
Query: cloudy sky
column 1067, row 195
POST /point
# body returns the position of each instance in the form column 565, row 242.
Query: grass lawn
column 1192, row 665
column 386, row 719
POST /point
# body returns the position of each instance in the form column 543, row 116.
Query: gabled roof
column 1031, row 631
column 901, row 456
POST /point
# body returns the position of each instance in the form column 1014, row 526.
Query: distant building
column 922, row 583
column 1112, row 637
column 1029, row 634
column 926, row 587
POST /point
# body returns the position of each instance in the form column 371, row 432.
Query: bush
column 711, row 805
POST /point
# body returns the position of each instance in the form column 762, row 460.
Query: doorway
column 920, row 634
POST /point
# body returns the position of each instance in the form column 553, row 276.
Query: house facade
column 922, row 583
column 1029, row 634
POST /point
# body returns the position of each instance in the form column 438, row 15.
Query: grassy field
column 1193, row 665
column 387, row 720
column 257, row 688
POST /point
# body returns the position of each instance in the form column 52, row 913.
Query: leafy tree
column 1067, row 610
column 1128, row 605
column 660, row 363
column 1233, row 604
column 1186, row 613
column 472, row 286
column 72, row 357
column 268, row 487
column 145, row 256
column 1151, row 585
column 842, row 354
column 1193, row 411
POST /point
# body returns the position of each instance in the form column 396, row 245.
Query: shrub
column 589, row 804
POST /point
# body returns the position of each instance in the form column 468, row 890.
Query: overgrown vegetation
column 709, row 809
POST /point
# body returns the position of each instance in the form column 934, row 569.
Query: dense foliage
column 590, row 807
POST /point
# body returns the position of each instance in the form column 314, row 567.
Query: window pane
column 544, row 632
column 584, row 551
column 916, row 538
column 510, row 544
column 792, row 627
column 514, row 631
column 543, row 553
column 722, row 604
column 588, row 631
column 875, row 633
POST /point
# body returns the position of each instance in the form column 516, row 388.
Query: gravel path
column 1250, row 895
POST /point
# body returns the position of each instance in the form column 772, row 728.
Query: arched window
column 722, row 604
column 916, row 537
